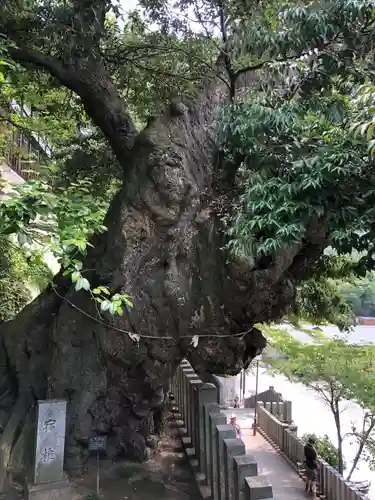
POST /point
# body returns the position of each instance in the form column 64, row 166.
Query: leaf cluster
column 17, row 276
column 332, row 367
column 290, row 139
column 325, row 449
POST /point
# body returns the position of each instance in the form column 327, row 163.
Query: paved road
column 286, row 484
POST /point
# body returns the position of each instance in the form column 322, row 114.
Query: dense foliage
column 62, row 210
column 360, row 294
column 17, row 278
column 326, row 449
column 302, row 168
column 296, row 141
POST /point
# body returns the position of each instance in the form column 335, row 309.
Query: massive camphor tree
column 228, row 198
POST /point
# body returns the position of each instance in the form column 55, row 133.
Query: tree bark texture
column 164, row 246
column 336, row 414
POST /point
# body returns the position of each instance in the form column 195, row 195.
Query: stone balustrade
column 269, row 396
column 331, row 484
column 274, row 403
column 224, row 470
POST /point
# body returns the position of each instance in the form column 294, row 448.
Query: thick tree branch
column 40, row 60
column 89, row 79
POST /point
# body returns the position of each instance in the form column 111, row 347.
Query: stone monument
column 48, row 481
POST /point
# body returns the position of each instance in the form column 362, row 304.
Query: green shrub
column 16, row 275
column 325, row 449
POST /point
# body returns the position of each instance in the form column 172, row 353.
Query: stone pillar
column 215, row 419
column 48, row 478
column 179, row 389
column 328, row 489
column 244, row 466
column 342, row 490
column 345, row 490
column 184, row 365
column 287, row 442
column 207, row 394
column 193, row 410
column 232, row 448
column 321, row 473
column 331, row 492
column 258, row 488
column 185, row 372
column 222, row 432
column 280, row 410
column 353, row 494
column 189, row 375
column 325, row 481
column 337, row 486
column 214, row 410
column 274, row 407
column 176, row 386
column 288, row 412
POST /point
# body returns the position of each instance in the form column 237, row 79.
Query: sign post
column 98, row 445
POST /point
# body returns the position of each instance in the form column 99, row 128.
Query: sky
column 128, row 4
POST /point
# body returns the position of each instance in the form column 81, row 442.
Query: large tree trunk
column 164, row 246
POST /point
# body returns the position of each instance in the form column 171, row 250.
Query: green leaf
column 82, row 283
column 126, row 299
column 105, row 305
column 76, row 276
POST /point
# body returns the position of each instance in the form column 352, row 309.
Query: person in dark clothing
column 311, row 465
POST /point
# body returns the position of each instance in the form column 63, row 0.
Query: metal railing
column 24, row 150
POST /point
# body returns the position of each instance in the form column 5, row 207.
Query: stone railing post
column 186, row 372
column 232, row 448
column 258, row 488
column 274, row 407
column 327, row 482
column 222, row 432
column 189, row 376
column 337, row 486
column 207, row 394
column 279, row 414
column 215, row 420
column 288, row 412
column 244, row 466
column 331, row 483
column 193, row 411
column 347, row 491
column 321, row 474
column 184, row 365
column 210, row 409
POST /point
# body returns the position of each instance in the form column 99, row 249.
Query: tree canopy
column 293, row 143
column 338, row 372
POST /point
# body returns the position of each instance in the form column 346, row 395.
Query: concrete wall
column 331, row 484
column 225, row 470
